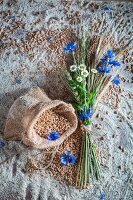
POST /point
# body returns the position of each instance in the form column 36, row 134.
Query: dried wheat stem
column 105, row 88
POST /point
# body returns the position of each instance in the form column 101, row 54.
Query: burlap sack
column 25, row 112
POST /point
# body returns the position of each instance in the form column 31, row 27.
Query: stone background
column 32, row 35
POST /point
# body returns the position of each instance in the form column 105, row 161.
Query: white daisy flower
column 79, row 79
column 94, row 71
column 73, row 68
column 85, row 73
column 82, row 67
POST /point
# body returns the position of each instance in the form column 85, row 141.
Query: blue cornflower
column 104, row 60
column 18, row 81
column 68, row 158
column 86, row 115
column 2, row 143
column 100, row 69
column 115, row 63
column 54, row 135
column 70, row 47
column 104, row 69
column 50, row 38
column 103, row 196
column 107, row 70
column 116, row 80
column 11, row 17
column 1, row 24
column 107, row 8
column 111, row 55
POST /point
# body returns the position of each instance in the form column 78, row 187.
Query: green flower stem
column 89, row 82
column 95, row 80
column 100, row 84
column 92, row 80
column 96, row 170
column 73, row 53
column 82, row 165
column 88, row 163
column 86, row 172
column 79, row 176
column 96, row 164
column 85, row 94
column 94, row 156
column 90, row 157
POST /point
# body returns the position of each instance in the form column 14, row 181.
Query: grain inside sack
column 51, row 121
column 34, row 115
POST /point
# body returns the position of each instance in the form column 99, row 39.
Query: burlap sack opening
column 25, row 112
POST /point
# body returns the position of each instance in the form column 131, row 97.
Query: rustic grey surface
column 15, row 184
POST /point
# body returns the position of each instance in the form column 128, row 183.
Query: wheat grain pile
column 51, row 121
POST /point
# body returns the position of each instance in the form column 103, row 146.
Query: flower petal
column 79, row 79
column 115, row 63
column 94, row 71
column 68, row 158
column 102, row 196
column 86, row 114
column 2, row 143
column 107, row 70
column 54, row 135
column 100, row 69
column 116, row 80
column 111, row 55
column 70, row 47
column 82, row 67
column 85, row 73
column 73, row 68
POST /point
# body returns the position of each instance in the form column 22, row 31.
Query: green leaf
column 83, row 93
column 72, row 83
column 86, row 123
column 78, row 107
column 91, row 97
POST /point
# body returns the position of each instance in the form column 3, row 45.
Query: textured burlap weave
column 26, row 111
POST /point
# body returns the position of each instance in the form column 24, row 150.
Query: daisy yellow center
column 85, row 73
column 94, row 70
column 79, row 79
column 82, row 67
column 73, row 68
